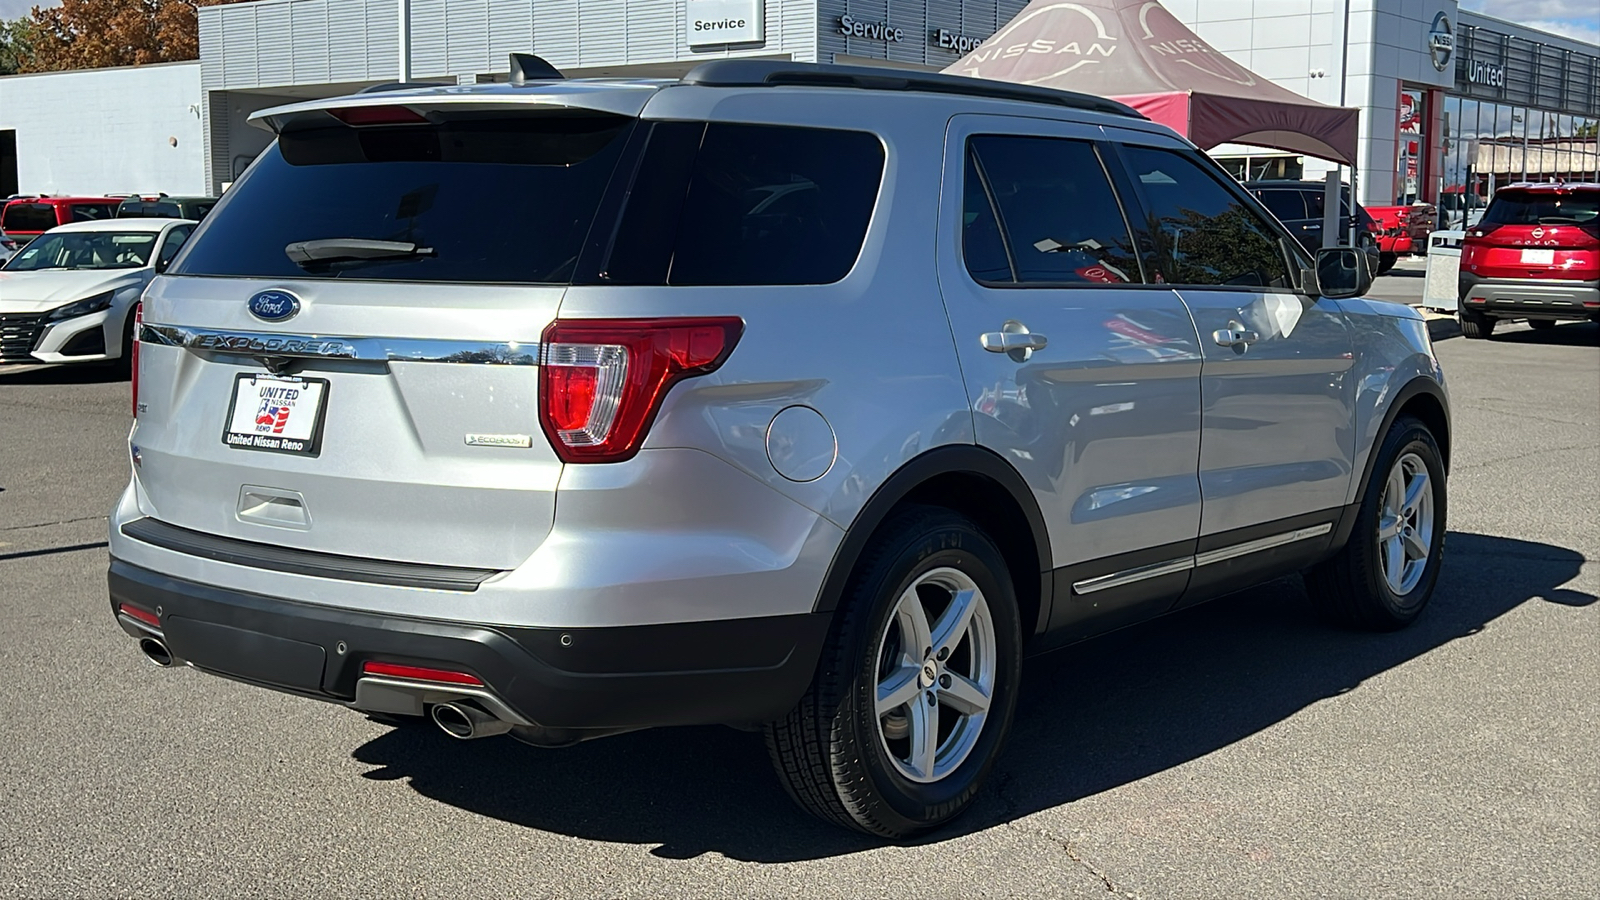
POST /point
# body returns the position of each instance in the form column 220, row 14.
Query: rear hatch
column 343, row 359
column 1537, row 232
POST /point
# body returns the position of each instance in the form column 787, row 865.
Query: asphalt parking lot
column 1240, row 749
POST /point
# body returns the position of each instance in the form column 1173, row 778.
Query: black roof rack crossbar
column 767, row 72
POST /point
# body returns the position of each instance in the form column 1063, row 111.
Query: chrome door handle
column 1013, row 339
column 1234, row 337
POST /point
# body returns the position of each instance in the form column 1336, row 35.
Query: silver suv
column 801, row 398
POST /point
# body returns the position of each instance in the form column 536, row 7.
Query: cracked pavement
column 1236, row 750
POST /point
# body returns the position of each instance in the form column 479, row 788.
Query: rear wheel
column 1383, row 576
column 914, row 694
column 1476, row 325
column 1541, row 324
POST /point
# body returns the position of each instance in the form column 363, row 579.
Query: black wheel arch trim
column 967, row 459
column 1417, row 386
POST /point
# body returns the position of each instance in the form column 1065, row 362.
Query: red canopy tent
column 1136, row 52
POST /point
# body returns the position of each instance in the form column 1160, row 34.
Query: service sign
column 713, row 22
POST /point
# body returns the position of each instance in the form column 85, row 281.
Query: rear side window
column 1513, row 207
column 1286, row 205
column 1206, row 234
column 1058, row 216
column 93, row 212
column 732, row 204
column 502, row 200
column 29, row 217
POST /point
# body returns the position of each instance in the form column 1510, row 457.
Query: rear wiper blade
column 334, row 250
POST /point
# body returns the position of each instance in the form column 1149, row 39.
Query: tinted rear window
column 1511, row 207
column 29, row 217
column 504, row 200
column 92, row 212
column 746, row 204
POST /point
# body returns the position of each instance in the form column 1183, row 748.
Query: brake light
column 133, row 363
column 145, row 616
column 420, row 673
column 378, row 115
column 601, row 381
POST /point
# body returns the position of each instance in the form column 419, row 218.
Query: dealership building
column 1450, row 100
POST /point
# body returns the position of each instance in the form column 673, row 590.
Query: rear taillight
column 601, row 381
column 420, row 673
column 133, row 362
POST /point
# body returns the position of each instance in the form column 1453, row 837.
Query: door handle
column 1013, row 339
column 1234, row 336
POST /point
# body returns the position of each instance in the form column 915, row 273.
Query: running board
column 1185, row 563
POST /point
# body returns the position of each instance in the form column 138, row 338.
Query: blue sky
column 1576, row 18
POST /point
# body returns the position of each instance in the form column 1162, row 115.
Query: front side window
column 1206, row 234
column 1285, row 204
column 175, row 241
column 1057, row 214
column 85, row 250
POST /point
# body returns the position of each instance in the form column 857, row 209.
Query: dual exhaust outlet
column 462, row 720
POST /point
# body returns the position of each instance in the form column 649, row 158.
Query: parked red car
column 1402, row 230
column 1535, row 255
column 26, row 218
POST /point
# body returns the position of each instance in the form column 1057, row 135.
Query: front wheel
column 914, row 695
column 1384, row 575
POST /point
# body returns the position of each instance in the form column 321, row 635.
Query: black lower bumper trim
column 693, row 673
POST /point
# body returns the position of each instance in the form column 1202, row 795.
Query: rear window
column 29, row 217
column 731, row 204
column 504, row 200
column 137, row 209
column 1512, row 207
column 93, row 212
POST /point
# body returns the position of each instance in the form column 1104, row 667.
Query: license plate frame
column 1538, row 256
column 251, row 437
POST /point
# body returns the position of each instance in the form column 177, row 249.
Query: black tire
column 1350, row 588
column 1476, row 325
column 1386, row 262
column 1541, row 324
column 828, row 752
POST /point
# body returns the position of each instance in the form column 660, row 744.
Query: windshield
column 1543, row 208
column 86, row 250
column 505, row 200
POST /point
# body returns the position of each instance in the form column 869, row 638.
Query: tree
column 91, row 34
column 16, row 45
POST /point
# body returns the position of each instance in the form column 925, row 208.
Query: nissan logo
column 274, row 306
column 1441, row 41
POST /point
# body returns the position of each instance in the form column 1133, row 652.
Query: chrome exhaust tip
column 155, row 651
column 465, row 721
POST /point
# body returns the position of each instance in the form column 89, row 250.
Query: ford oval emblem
column 274, row 306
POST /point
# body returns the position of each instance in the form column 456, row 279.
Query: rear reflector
column 1476, row 300
column 143, row 615
column 1592, row 304
column 378, row 115
column 419, row 673
column 601, row 381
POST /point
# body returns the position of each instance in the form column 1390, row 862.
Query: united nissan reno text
column 803, row 398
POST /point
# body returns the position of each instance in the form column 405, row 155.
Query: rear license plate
column 1538, row 257
column 283, row 415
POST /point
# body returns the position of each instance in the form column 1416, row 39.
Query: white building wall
column 134, row 129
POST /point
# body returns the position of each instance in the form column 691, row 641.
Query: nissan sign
column 1441, row 42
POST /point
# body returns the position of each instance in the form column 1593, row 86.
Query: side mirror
column 1343, row 272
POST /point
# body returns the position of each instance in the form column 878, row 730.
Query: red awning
column 1135, row 51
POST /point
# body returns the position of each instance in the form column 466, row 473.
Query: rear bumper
column 615, row 678
column 1546, row 298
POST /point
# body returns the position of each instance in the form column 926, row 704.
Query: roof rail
column 401, row 86
column 766, row 72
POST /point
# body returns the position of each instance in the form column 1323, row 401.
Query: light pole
column 404, row 50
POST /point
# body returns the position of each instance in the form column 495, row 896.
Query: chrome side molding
column 316, row 346
column 1185, row 563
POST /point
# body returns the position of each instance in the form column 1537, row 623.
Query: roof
column 153, row 226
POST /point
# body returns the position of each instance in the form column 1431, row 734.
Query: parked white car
column 68, row 297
